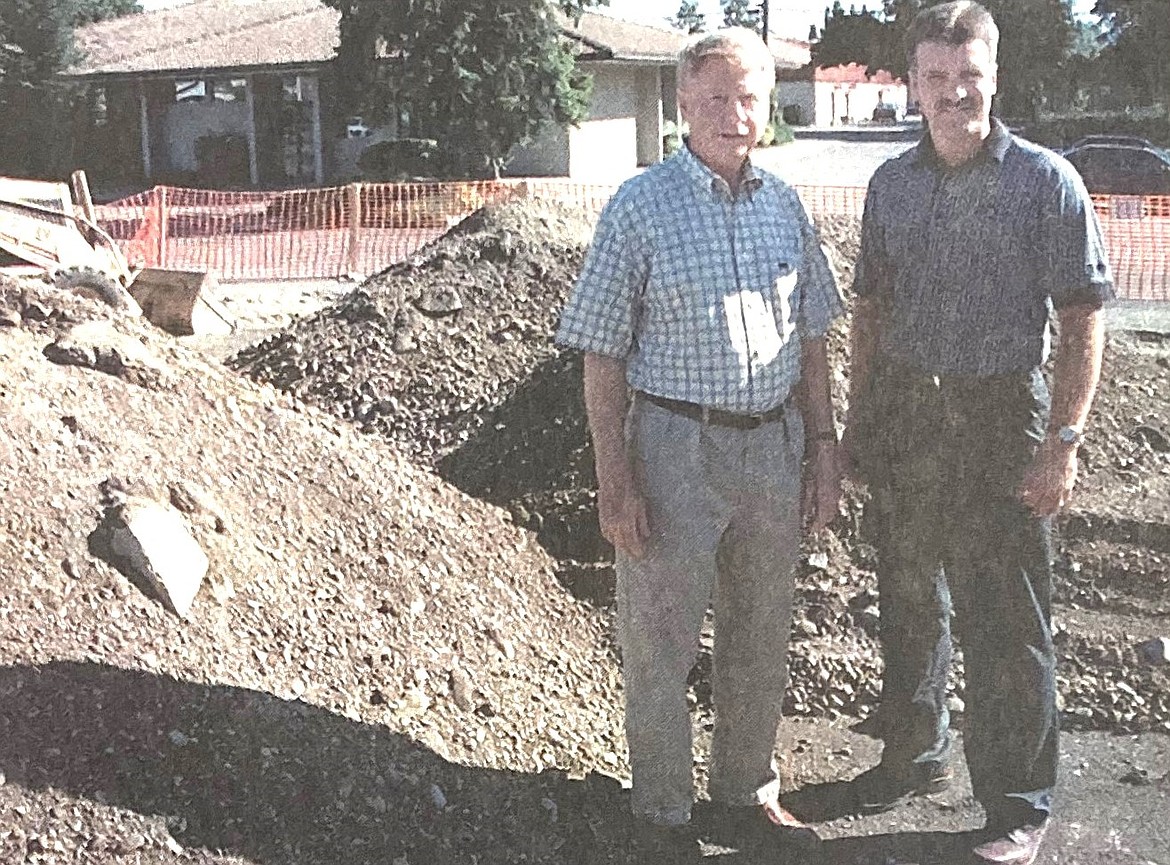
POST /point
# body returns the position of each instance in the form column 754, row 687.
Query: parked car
column 1119, row 140
column 886, row 112
column 1113, row 169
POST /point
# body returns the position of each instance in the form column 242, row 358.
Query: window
column 230, row 89
column 187, row 89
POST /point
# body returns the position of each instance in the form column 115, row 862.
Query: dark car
column 1120, row 140
column 1111, row 169
column 886, row 112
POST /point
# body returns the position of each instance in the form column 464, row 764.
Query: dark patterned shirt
column 971, row 261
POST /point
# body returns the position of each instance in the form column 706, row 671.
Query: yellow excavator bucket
column 51, row 227
column 178, row 301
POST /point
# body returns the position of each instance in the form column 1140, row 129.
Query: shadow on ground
column 276, row 781
column 286, row 782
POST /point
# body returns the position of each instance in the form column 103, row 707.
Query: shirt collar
column 749, row 178
column 995, row 147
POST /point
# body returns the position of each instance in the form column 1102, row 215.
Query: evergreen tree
column 1036, row 38
column 478, row 78
column 36, row 43
column 740, row 13
column 1137, row 35
column 689, row 18
column 853, row 37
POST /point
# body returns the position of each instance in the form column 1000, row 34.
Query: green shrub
column 402, row 159
column 776, row 132
column 672, row 137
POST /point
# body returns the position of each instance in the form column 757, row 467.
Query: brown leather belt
column 715, row 416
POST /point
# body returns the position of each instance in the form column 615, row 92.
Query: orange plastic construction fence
column 362, row 228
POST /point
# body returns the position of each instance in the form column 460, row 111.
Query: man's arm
column 822, row 476
column 873, row 287
column 1050, row 478
column 621, row 509
column 865, row 333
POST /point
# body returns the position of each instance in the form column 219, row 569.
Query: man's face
column 954, row 85
column 726, row 106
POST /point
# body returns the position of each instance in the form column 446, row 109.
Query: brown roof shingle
column 210, row 34
column 238, row 34
column 234, row 34
column 854, row 73
column 605, row 37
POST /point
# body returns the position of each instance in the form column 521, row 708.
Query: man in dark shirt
column 972, row 242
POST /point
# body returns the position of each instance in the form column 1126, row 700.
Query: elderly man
column 702, row 309
column 971, row 242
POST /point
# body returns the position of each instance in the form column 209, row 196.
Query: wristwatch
column 1070, row 436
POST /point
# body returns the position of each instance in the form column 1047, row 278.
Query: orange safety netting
column 362, row 228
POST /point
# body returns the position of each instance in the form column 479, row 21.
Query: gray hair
column 740, row 43
column 954, row 23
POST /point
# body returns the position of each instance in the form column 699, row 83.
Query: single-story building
column 241, row 93
column 238, row 93
column 837, row 95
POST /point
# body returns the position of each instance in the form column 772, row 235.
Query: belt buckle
column 705, row 415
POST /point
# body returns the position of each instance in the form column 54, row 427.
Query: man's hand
column 821, row 495
column 621, row 507
column 621, row 510
column 1048, row 483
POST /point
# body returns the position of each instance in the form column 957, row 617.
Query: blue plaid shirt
column 705, row 295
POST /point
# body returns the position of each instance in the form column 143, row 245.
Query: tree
column 90, row 11
column 477, row 77
column 740, row 13
column 689, row 18
column 853, row 37
column 1036, row 40
column 36, row 44
column 1136, row 34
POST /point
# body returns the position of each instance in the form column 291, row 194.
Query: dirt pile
column 479, row 389
column 525, row 448
column 362, row 620
column 383, row 662
column 419, row 352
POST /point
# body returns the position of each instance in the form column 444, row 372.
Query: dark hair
column 955, row 23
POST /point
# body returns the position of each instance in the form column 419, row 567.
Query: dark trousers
column 944, row 457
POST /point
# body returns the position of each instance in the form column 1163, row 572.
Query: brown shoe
column 750, row 827
column 1019, row 846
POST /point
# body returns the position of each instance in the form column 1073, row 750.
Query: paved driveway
column 830, row 161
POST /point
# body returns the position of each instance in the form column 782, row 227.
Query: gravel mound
column 392, row 660
column 510, row 429
column 366, row 629
column 420, row 351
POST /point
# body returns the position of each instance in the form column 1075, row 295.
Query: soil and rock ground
column 402, row 652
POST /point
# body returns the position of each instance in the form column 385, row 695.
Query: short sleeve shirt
column 970, row 262
column 706, row 295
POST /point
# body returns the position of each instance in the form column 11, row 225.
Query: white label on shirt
column 751, row 325
column 784, row 287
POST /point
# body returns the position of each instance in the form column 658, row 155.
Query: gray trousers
column 724, row 510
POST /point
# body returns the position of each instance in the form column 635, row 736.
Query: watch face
column 1069, row 436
